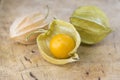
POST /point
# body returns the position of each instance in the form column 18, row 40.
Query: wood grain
column 24, row 62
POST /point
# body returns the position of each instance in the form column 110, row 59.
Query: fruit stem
column 47, row 12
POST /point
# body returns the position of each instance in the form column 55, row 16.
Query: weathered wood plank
column 23, row 62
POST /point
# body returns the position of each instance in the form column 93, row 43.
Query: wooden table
column 24, row 62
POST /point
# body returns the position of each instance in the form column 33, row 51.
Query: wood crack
column 99, row 78
column 27, row 59
column 22, row 76
column 33, row 76
column 114, row 44
column 22, row 64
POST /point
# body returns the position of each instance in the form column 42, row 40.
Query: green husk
column 91, row 23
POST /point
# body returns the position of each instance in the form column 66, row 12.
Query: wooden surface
column 23, row 62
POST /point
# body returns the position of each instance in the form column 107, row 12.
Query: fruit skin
column 91, row 23
column 57, row 27
column 61, row 45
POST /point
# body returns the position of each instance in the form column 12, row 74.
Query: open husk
column 58, row 27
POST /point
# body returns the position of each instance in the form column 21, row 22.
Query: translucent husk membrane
column 27, row 24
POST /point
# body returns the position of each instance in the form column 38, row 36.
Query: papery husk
column 91, row 23
column 58, row 27
column 25, row 25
